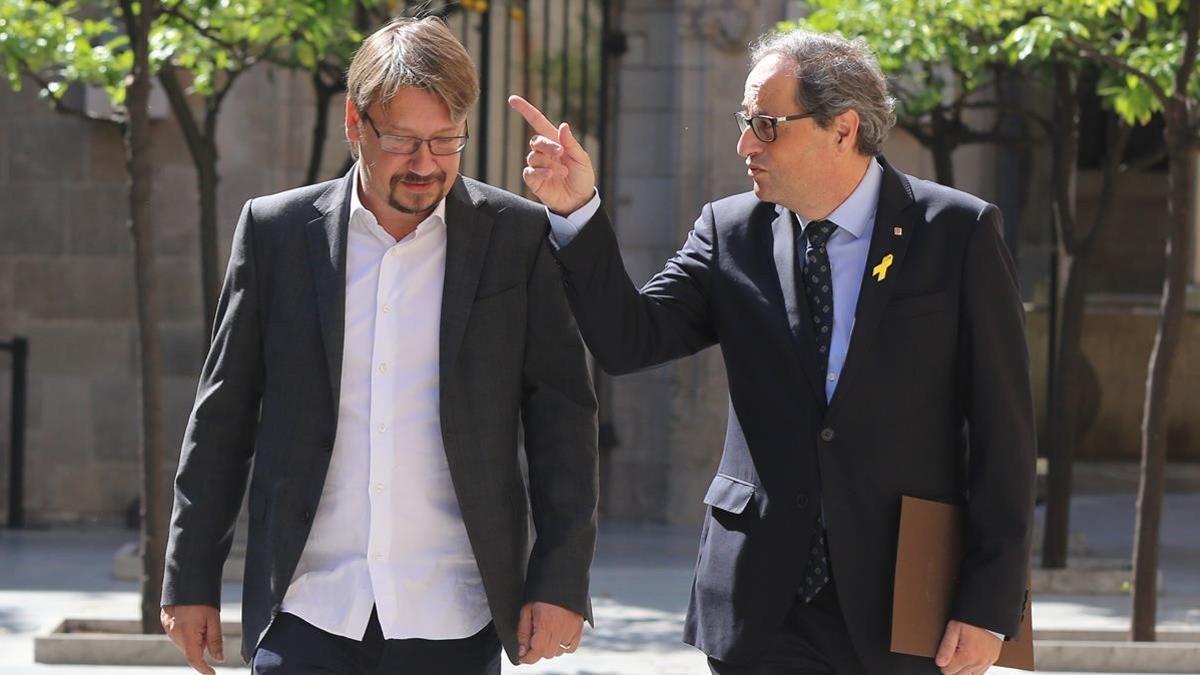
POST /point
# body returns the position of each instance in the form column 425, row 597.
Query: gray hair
column 834, row 75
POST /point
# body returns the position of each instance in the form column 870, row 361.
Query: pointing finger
column 534, row 116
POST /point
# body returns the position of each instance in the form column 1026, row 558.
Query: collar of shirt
column 361, row 216
column 858, row 210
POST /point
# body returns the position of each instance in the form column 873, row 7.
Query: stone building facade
column 66, row 273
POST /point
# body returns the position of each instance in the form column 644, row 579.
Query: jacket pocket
column 917, row 305
column 729, row 494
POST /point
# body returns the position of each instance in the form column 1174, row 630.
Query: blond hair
column 417, row 53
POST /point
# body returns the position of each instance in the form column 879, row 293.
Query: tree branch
column 1117, row 64
column 1108, row 184
column 59, row 106
column 1184, row 76
column 192, row 134
column 204, row 31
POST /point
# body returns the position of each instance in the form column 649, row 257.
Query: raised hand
column 558, row 169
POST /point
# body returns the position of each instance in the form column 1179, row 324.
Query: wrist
column 566, row 209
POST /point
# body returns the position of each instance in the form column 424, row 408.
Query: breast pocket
column 729, row 494
column 917, row 305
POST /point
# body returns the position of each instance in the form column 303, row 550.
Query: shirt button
column 377, row 556
column 394, row 252
column 387, row 308
column 378, row 488
column 832, row 377
column 382, row 428
column 827, row 434
column 383, row 367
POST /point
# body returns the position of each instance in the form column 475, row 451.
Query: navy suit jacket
column 934, row 401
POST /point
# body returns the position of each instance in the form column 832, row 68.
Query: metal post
column 565, row 84
column 16, row 472
column 485, row 88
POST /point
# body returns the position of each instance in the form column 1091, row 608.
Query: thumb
column 216, row 643
column 949, row 645
column 570, row 144
column 525, row 629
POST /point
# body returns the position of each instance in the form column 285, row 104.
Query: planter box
column 107, row 642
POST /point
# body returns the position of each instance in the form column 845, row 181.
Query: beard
column 417, row 204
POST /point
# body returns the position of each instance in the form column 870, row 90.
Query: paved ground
column 641, row 580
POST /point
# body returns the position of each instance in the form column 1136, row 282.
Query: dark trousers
column 294, row 646
column 813, row 640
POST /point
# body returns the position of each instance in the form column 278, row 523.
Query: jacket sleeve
column 218, row 444
column 558, row 410
column 628, row 329
column 994, row 364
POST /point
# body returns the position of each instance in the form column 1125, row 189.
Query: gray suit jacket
column 509, row 351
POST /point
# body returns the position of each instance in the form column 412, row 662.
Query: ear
column 353, row 123
column 845, row 126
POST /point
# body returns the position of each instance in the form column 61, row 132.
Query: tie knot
column 819, row 232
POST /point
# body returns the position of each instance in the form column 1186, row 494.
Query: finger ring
column 566, row 645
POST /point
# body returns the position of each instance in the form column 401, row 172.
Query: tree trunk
column 1060, row 436
column 316, row 153
column 1158, row 378
column 137, row 147
column 942, row 146
column 210, row 262
column 202, row 146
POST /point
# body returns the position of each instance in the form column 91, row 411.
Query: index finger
column 534, row 116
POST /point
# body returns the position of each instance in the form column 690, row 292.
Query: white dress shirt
column 388, row 532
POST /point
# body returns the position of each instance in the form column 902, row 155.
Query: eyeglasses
column 764, row 126
column 407, row 145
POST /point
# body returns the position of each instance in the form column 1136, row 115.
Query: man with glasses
column 379, row 339
column 871, row 328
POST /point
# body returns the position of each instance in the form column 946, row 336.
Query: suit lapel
column 895, row 198
column 468, row 229
column 326, row 236
column 783, row 251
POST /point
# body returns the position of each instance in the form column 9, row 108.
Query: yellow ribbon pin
column 881, row 269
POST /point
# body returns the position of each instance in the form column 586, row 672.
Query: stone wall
column 66, row 279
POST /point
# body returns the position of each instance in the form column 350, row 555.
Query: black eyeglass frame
column 744, row 120
column 462, row 140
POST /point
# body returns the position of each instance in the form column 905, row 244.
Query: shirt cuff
column 996, row 634
column 563, row 230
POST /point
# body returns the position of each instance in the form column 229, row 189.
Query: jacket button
column 802, row 501
column 827, row 434
column 307, row 515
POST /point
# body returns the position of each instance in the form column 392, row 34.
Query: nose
column 748, row 144
column 422, row 161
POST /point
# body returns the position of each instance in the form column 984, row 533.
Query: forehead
column 413, row 110
column 771, row 84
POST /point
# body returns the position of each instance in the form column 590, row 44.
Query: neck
column 843, row 180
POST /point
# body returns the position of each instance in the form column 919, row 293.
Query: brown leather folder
column 928, row 556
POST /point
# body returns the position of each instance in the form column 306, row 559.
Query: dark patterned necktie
column 818, row 290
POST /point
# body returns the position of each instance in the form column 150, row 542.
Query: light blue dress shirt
column 848, row 248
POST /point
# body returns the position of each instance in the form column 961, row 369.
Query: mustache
column 413, row 177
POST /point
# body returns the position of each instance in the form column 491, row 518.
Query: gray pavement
column 640, row 584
